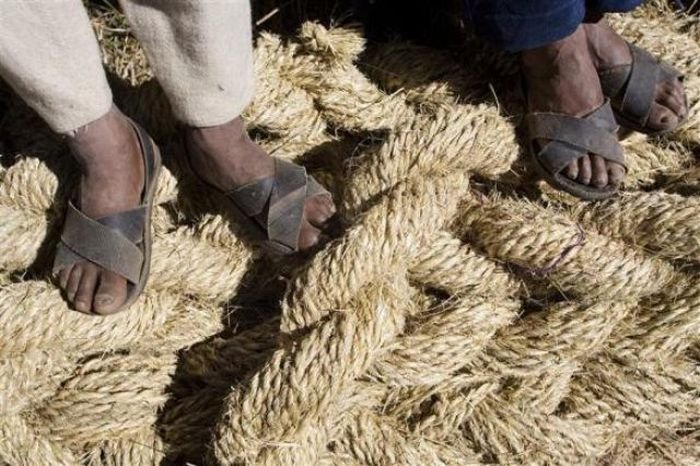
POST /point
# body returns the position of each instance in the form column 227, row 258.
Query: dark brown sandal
column 120, row 243
column 570, row 139
column 632, row 89
column 281, row 198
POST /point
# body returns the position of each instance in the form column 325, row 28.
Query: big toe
column 319, row 209
column 309, row 236
column 662, row 117
column 616, row 173
column 318, row 223
column 669, row 109
column 110, row 294
column 676, row 89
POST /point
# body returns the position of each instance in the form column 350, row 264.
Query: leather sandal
column 280, row 198
column 632, row 89
column 121, row 242
column 570, row 139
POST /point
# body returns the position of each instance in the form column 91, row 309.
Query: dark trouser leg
column 517, row 25
column 595, row 9
column 612, row 6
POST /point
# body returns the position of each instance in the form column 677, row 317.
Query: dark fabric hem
column 517, row 25
column 515, row 32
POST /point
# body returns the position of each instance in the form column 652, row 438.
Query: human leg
column 201, row 53
column 55, row 66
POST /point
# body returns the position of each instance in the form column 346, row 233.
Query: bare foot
column 609, row 50
column 227, row 158
column 112, row 181
column 562, row 78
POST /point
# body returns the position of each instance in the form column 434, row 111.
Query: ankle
column 225, row 156
column 606, row 47
column 214, row 139
column 109, row 154
column 561, row 54
column 103, row 140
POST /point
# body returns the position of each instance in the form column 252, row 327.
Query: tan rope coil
column 521, row 233
column 665, row 223
column 22, row 445
column 143, row 448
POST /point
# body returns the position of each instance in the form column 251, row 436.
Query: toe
column 600, row 171
column 584, row 170
column 309, row 236
column 672, row 101
column 678, row 90
column 73, row 282
column 616, row 173
column 329, row 208
column 661, row 116
column 571, row 170
column 319, row 209
column 86, row 288
column 111, row 293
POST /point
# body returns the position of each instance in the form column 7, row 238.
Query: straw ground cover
column 467, row 314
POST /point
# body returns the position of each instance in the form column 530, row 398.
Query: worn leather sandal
column 280, row 198
column 121, row 242
column 632, row 89
column 570, row 139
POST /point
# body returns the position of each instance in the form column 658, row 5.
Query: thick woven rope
column 467, row 314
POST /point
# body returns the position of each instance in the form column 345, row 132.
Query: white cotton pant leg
column 200, row 51
column 50, row 57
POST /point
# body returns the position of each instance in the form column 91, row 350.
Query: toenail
column 104, row 300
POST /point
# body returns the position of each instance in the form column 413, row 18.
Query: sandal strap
column 314, row 188
column 613, row 80
column 148, row 151
column 130, row 223
column 640, row 92
column 282, row 197
column 111, row 248
column 252, row 198
column 573, row 137
column 633, row 87
column 286, row 209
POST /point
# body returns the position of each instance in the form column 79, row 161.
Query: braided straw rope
column 464, row 316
